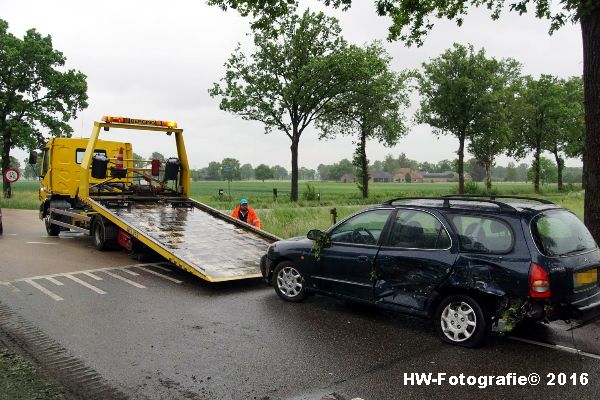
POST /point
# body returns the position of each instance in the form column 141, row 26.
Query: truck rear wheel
column 104, row 235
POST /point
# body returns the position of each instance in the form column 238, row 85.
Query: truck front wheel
column 53, row 230
column 104, row 235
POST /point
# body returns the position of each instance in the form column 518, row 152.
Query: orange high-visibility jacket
column 252, row 217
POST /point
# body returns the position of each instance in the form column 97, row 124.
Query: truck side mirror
column 33, row 156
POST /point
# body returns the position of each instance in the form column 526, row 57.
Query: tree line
column 303, row 72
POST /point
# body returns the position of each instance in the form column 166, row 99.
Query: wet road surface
column 120, row 329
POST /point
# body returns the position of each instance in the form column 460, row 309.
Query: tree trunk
column 590, row 32
column 461, row 166
column 364, row 165
column 536, row 170
column 488, row 176
column 294, row 149
column 6, row 189
column 560, row 164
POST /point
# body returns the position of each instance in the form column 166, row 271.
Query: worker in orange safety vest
column 246, row 214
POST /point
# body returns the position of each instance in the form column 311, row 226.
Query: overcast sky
column 157, row 59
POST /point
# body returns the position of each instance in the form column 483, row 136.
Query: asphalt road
column 108, row 327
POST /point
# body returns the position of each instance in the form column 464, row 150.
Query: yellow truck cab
column 60, row 169
column 94, row 187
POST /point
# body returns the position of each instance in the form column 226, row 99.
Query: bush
column 310, row 193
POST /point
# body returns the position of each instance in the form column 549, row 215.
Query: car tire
column 461, row 320
column 288, row 282
column 104, row 235
column 51, row 229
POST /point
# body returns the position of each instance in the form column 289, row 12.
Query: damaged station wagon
column 464, row 261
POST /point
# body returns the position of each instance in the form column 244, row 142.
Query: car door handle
column 362, row 258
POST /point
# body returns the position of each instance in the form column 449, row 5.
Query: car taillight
column 539, row 282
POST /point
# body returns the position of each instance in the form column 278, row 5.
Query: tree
column 136, row 162
column 289, row 79
column 37, row 95
column 546, row 171
column 263, row 172
column 31, row 171
column 247, row 172
column 323, row 172
column 511, row 172
column 370, row 109
column 157, row 156
column 233, row 166
column 307, row 174
column 213, row 171
column 280, row 172
column 475, row 169
column 569, row 135
column 538, row 113
column 459, row 95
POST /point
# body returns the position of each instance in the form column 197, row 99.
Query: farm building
column 348, row 178
column 381, row 176
column 400, row 176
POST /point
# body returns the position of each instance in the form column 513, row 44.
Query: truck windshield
column 560, row 233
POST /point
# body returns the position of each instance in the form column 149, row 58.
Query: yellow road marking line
column 83, row 283
column 43, row 290
column 137, row 285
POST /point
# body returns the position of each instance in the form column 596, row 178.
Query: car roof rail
column 447, row 199
column 494, row 197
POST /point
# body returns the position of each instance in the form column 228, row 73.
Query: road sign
column 227, row 170
column 11, row 175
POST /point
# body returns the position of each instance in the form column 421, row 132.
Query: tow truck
column 95, row 187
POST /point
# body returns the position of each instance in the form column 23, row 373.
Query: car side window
column 365, row 228
column 482, row 234
column 415, row 229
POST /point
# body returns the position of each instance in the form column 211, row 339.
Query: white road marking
column 157, row 274
column 96, row 277
column 159, row 267
column 87, row 285
column 9, row 285
column 57, row 283
column 43, row 290
column 137, row 285
column 10, row 234
column 130, row 272
column 40, row 243
column 556, row 347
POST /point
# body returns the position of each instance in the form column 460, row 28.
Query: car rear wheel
column 289, row 282
column 462, row 321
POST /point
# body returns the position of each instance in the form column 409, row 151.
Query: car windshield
column 561, row 233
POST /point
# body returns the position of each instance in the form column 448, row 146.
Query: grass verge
column 21, row 379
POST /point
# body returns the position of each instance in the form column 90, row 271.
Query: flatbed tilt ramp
column 193, row 236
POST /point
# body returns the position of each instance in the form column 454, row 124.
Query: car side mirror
column 33, row 156
column 315, row 234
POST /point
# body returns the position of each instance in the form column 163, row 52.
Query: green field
column 286, row 219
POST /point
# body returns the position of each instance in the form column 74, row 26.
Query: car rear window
column 561, row 233
column 479, row 234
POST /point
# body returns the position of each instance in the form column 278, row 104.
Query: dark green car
column 462, row 261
